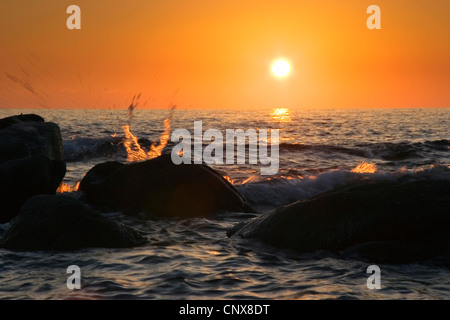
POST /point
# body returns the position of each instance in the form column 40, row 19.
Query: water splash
column 134, row 104
column 134, row 150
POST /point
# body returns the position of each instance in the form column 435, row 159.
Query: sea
column 319, row 149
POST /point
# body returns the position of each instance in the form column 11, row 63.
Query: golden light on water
column 280, row 114
column 64, row 187
column 228, row 179
column 252, row 178
column 365, row 167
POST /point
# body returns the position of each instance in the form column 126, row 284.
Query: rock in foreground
column 31, row 154
column 161, row 188
column 382, row 221
column 24, row 178
column 61, row 223
column 6, row 122
column 27, row 136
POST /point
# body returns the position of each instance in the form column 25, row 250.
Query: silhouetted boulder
column 31, row 154
column 161, row 188
column 28, row 138
column 5, row 122
column 384, row 221
column 61, row 223
column 23, row 178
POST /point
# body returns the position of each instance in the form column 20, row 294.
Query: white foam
column 269, row 194
column 81, row 148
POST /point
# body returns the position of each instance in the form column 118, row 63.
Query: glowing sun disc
column 281, row 68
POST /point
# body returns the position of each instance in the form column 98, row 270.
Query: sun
column 281, row 68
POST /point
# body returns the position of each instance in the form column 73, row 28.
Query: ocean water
column 193, row 258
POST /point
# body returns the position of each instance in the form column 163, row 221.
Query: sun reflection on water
column 280, row 115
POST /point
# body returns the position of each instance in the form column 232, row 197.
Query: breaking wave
column 80, row 148
column 270, row 194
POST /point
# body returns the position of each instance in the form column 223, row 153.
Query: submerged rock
column 31, row 154
column 61, row 223
column 161, row 188
column 384, row 221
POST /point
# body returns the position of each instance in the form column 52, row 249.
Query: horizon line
column 218, row 108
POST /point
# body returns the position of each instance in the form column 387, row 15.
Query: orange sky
column 218, row 54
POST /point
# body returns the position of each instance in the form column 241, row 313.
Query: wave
column 84, row 148
column 384, row 151
column 81, row 148
column 270, row 194
column 323, row 148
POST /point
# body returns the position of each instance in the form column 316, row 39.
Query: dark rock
column 23, row 178
column 384, row 221
column 23, row 139
column 31, row 154
column 99, row 173
column 5, row 122
column 161, row 188
column 61, row 223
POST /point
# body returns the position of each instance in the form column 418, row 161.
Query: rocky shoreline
column 382, row 221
